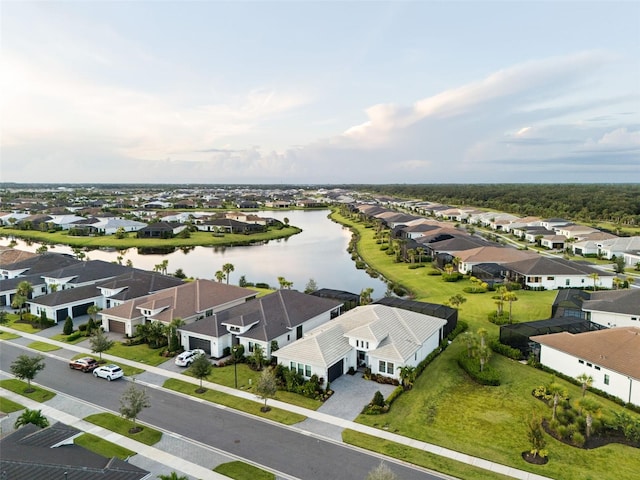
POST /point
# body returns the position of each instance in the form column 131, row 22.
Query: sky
column 323, row 92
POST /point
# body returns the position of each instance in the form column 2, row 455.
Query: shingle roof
column 31, row 453
column 617, row 349
column 89, row 271
column 10, row 255
column 494, row 255
column 137, row 283
column 39, row 264
column 615, row 301
column 70, row 295
column 543, row 265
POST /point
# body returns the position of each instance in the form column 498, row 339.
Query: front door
column 361, row 358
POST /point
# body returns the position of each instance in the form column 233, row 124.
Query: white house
column 614, row 308
column 381, row 337
column 610, row 356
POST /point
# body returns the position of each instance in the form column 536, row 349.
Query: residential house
column 499, row 255
column 271, row 321
column 610, row 356
column 616, row 247
column 550, row 273
column 161, row 230
column 81, row 274
column 381, row 337
column 32, row 453
column 553, row 242
column 614, row 308
column 191, row 302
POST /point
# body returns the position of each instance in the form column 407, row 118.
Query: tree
column 219, row 275
column 227, row 268
column 34, row 417
column 510, row 297
column 535, row 432
column 4, row 317
column 201, row 368
column 457, row 300
column 257, row 357
column 100, row 342
column 120, row 233
column 26, row 368
column 556, row 392
column 173, row 342
column 595, row 277
column 266, row 387
column 381, row 472
column 311, row 286
column 590, row 408
column 484, row 352
column 407, row 376
column 586, row 381
column 93, row 312
column 25, row 289
column 67, row 328
column 365, row 296
column 172, row 476
column 619, row 265
column 132, row 402
column 18, row 302
column 284, row 283
column 286, row 221
column 471, row 342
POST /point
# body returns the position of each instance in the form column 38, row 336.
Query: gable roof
column 10, row 255
column 617, row 349
column 494, row 255
column 39, row 264
column 31, row 453
column 137, row 283
column 615, row 301
column 89, row 271
column 543, row 265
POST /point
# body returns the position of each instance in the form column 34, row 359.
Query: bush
column 505, row 350
column 452, row 277
column 82, row 327
column 474, row 289
column 496, row 319
column 413, row 266
column 488, row 376
column 263, row 285
column 74, row 336
column 67, row 329
column 395, row 394
column 360, row 265
column 577, row 439
column 434, row 273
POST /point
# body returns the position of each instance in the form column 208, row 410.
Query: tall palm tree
column 510, row 297
column 220, row 276
column 407, row 376
column 227, row 268
column 34, row 417
column 586, row 381
column 595, row 277
column 557, row 392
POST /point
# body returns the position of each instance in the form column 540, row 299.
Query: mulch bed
column 535, row 459
column 594, row 441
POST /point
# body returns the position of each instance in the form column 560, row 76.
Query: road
column 281, row 448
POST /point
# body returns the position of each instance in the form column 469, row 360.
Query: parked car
column 110, row 372
column 187, row 357
column 86, row 364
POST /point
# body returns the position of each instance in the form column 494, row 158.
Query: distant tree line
column 587, row 203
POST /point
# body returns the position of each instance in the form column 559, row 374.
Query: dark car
column 86, row 364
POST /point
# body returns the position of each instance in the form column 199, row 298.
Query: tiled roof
column 494, row 254
column 617, row 349
column 9, row 256
column 137, row 283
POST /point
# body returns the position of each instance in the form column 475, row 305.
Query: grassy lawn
column 8, row 406
column 43, row 346
column 148, row 435
column 138, row 353
column 102, row 447
column 8, row 335
column 243, row 471
column 419, row 457
column 446, row 408
column 247, row 378
column 196, row 239
column 237, row 403
column 18, row 386
column 128, row 371
column 61, row 337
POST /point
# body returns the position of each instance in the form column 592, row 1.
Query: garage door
column 61, row 315
column 79, row 310
column 336, row 370
column 116, row 326
column 195, row 342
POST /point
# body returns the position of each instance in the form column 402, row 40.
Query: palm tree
column 595, row 277
column 586, row 382
column 420, row 252
column 220, row 276
column 556, row 392
column 448, row 268
column 227, row 268
column 411, row 253
column 484, row 352
column 510, row 297
column 34, row 417
column 172, row 476
column 365, row 296
column 471, row 341
column 407, row 376
column 590, row 408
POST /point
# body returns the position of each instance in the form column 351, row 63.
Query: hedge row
column 505, row 350
column 488, row 376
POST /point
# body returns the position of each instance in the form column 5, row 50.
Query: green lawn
column 18, row 386
column 243, row 471
column 196, row 239
column 138, row 353
column 43, row 346
column 103, row 447
column 61, row 337
column 8, row 406
column 148, row 435
column 248, row 406
column 446, row 408
column 8, row 335
column 226, row 376
column 127, row 370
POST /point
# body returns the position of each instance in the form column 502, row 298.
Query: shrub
column 74, row 336
column 82, row 327
column 384, row 247
column 461, row 327
column 67, row 329
column 488, row 376
column 433, row 272
column 263, row 285
column 395, row 394
column 360, row 265
column 452, row 277
column 474, row 289
column 493, row 317
column 577, row 439
column 505, row 350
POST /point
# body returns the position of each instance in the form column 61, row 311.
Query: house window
column 288, row 337
column 208, row 313
column 597, row 367
column 301, row 369
column 550, row 278
column 634, row 318
column 382, row 366
column 567, row 282
column 589, row 365
column 367, row 344
column 292, row 365
column 606, row 379
column 251, row 346
column 357, row 343
column 581, row 361
column 307, row 370
column 390, row 367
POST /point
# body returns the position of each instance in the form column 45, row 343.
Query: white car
column 187, row 357
column 110, row 372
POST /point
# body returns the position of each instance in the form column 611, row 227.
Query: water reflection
column 319, row 252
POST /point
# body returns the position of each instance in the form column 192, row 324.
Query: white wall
column 619, row 385
column 610, row 320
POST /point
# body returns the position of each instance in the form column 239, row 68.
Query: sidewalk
column 321, row 424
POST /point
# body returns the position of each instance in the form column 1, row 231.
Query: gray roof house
column 614, row 308
column 281, row 317
column 381, row 337
column 32, row 453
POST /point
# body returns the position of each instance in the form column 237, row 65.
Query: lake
column 319, row 252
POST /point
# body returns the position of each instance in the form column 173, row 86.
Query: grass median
column 39, row 394
column 237, row 403
column 243, row 471
column 9, row 406
column 148, row 435
column 103, row 447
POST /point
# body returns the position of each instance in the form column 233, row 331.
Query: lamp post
column 235, row 364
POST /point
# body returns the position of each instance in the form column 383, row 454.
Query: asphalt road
column 283, row 449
